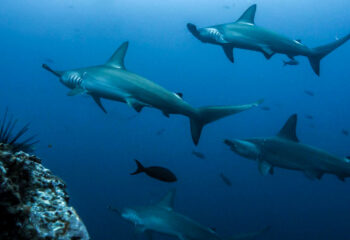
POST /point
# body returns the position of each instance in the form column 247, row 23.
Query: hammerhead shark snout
column 193, row 29
column 57, row 73
column 243, row 148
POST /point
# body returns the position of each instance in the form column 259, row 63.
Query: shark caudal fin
column 207, row 115
column 320, row 52
column 250, row 235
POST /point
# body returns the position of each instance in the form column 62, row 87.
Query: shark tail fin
column 210, row 114
column 320, row 52
column 250, row 235
column 140, row 168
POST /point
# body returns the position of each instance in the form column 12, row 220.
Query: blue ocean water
column 93, row 152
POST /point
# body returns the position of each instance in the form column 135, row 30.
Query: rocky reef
column 33, row 201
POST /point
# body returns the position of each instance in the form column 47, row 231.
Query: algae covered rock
column 34, row 202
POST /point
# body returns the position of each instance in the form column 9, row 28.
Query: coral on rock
column 34, row 202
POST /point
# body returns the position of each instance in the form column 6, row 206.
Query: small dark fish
column 309, row 117
column 291, row 62
column 160, row 173
column 226, row 180
column 226, row 7
column 310, row 93
column 160, row 132
column 49, row 60
column 265, row 108
column 49, row 145
column 198, row 154
column 345, row 132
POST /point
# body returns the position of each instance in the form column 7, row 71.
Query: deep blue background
column 93, row 152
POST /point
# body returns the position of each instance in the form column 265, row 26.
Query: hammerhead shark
column 112, row 81
column 246, row 35
column 161, row 218
column 285, row 151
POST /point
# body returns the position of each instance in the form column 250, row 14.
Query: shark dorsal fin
column 117, row 59
column 167, row 202
column 289, row 129
column 249, row 15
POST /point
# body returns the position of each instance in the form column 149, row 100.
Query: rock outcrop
column 34, row 202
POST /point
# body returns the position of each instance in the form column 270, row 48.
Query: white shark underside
column 285, row 151
column 246, row 35
column 161, row 218
column 112, row 81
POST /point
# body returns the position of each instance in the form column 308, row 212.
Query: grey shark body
column 161, row 218
column 285, row 151
column 245, row 34
column 112, row 81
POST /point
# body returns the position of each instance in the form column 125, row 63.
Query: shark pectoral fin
column 313, row 174
column 98, row 102
column 265, row 168
column 149, row 235
column 166, row 114
column 135, row 104
column 267, row 51
column 341, row 178
column 76, row 91
column 228, row 49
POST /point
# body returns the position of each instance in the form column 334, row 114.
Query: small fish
column 226, row 7
column 198, row 154
column 291, row 62
column 226, row 180
column 309, row 92
column 309, row 117
column 160, row 173
column 345, row 132
column 49, row 60
column 265, row 108
column 160, row 132
column 49, row 145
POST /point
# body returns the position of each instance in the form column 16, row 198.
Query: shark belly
column 256, row 38
column 288, row 155
column 174, row 224
column 105, row 89
column 121, row 85
column 297, row 156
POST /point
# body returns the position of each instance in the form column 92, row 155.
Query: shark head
column 207, row 34
column 244, row 148
column 131, row 215
column 71, row 79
